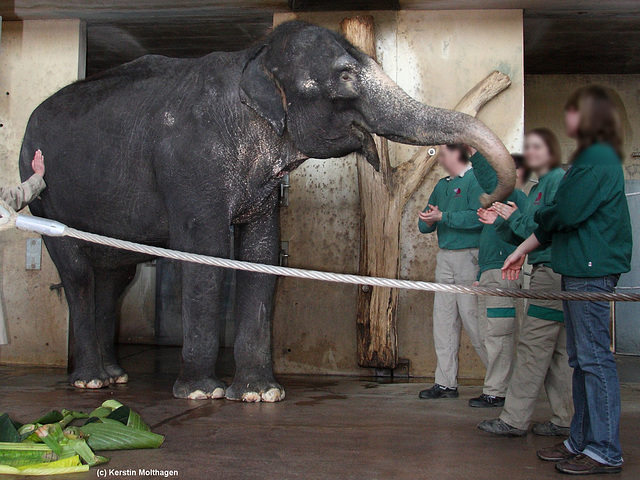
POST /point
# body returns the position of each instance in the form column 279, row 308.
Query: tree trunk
column 383, row 196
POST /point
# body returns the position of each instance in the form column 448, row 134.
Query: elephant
column 171, row 152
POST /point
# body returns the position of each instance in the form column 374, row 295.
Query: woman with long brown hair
column 589, row 229
column 541, row 353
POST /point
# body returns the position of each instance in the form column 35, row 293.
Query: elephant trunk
column 391, row 113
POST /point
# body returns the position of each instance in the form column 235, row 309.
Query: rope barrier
column 9, row 219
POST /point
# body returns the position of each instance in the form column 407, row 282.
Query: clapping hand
column 505, row 210
column 431, row 216
column 488, row 216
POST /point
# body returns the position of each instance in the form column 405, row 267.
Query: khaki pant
column 451, row 310
column 497, row 326
column 541, row 359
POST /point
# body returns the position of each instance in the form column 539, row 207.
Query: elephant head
column 311, row 84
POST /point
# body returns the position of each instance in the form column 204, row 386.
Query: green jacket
column 458, row 199
column 493, row 249
column 521, row 223
column 588, row 224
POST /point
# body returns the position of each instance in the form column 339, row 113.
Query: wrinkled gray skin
column 170, row 152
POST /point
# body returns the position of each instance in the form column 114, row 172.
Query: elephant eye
column 345, row 77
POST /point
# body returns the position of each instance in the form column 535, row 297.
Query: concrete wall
column 36, row 59
column 545, row 96
column 436, row 56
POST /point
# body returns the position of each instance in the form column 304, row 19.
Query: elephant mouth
column 368, row 148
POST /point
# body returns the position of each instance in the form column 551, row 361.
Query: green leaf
column 81, row 447
column 135, row 421
column 129, row 418
column 72, row 433
column 27, row 429
column 73, row 461
column 51, row 468
column 73, row 413
column 51, row 417
column 9, row 470
column 120, row 414
column 112, row 404
column 112, row 435
column 52, row 437
column 54, row 471
column 19, row 454
column 17, row 458
column 8, row 431
column 100, row 412
column 34, row 447
column 70, row 416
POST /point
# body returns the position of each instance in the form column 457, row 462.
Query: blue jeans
column 596, row 391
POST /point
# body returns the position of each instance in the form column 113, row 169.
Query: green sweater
column 521, row 223
column 588, row 224
column 458, row 199
column 493, row 249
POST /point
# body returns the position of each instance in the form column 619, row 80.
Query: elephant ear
column 259, row 90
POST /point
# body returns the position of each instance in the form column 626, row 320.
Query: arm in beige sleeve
column 22, row 195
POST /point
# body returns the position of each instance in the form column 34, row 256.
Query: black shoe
column 486, row 401
column 438, row 391
column 500, row 428
column 550, row 429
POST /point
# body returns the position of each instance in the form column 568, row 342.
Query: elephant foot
column 198, row 389
column 89, row 378
column 255, row 391
column 117, row 375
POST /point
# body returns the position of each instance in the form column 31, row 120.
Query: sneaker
column 500, row 428
column 438, row 391
column 584, row 465
column 486, row 401
column 550, row 429
column 557, row 453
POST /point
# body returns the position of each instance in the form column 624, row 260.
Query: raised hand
column 38, row 163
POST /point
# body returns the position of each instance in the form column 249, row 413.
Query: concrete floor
column 327, row 428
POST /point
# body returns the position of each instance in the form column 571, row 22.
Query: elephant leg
column 254, row 380
column 202, row 288
column 109, row 286
column 77, row 275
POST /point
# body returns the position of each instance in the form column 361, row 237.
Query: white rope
column 56, row 229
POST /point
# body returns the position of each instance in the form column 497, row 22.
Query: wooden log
column 383, row 196
column 377, row 334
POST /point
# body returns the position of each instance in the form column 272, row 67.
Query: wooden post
column 383, row 196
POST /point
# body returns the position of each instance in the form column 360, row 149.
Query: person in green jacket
column 589, row 228
column 452, row 213
column 496, row 315
column 541, row 353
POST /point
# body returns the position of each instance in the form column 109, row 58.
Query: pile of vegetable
column 54, row 445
